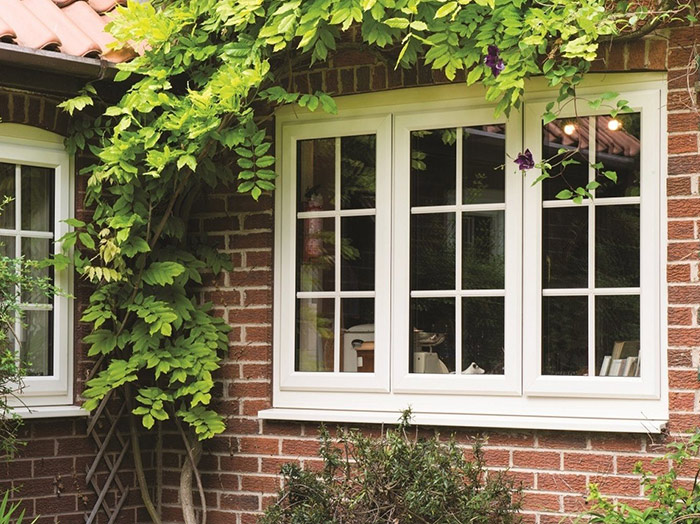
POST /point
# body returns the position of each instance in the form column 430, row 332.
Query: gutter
column 55, row 62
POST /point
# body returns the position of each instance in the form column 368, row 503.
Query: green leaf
column 446, row 9
column 397, row 23
column 610, row 175
column 564, row 194
column 162, row 273
column 86, row 240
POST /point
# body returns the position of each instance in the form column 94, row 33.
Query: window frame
column 25, row 145
column 515, row 404
column 648, row 385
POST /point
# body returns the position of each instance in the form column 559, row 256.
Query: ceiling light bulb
column 569, row 129
column 614, row 124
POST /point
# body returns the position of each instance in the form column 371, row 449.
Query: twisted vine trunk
column 187, row 475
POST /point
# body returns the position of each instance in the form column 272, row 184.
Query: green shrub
column 394, row 478
column 8, row 512
column 670, row 501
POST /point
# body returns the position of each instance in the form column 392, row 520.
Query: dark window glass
column 433, row 167
column 483, row 335
column 483, row 249
column 357, row 328
column 564, row 335
column 7, row 190
column 316, row 254
column 358, row 171
column 316, row 174
column 617, row 335
column 571, row 136
column 37, row 198
column 357, row 252
column 618, row 148
column 433, row 251
column 432, row 335
column 315, row 338
column 617, row 246
column 483, row 161
column 565, row 247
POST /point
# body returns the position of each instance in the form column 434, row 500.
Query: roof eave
column 54, row 62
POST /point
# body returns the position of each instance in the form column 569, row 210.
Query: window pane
column 483, row 250
column 617, row 246
column 36, row 249
column 564, row 335
column 617, row 335
column 36, row 351
column 316, row 174
column 357, row 349
column 358, row 170
column 7, row 190
column 316, row 254
column 483, row 335
column 433, row 251
column 315, row 336
column 7, row 246
column 433, row 335
column 483, row 161
column 570, row 134
column 7, row 249
column 37, row 198
column 433, row 167
column 618, row 149
column 357, row 248
column 565, row 247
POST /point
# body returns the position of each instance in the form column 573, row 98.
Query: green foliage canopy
column 192, row 117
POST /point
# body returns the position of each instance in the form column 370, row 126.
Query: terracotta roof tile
column 73, row 27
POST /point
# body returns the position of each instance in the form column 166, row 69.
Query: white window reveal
column 35, row 174
column 417, row 267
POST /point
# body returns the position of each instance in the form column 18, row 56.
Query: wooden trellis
column 103, row 427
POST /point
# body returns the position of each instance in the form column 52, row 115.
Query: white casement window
column 35, row 172
column 416, row 266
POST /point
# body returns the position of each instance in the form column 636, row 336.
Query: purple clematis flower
column 525, row 160
column 494, row 61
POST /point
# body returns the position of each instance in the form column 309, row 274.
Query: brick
column 588, row 462
column 678, row 251
column 680, row 358
column 683, row 379
column 497, row 457
column 561, row 482
column 684, row 208
column 684, row 337
column 626, row 464
column 687, row 143
column 240, row 502
column 258, row 445
column 260, row 483
column 678, row 273
column 616, row 442
column 680, row 122
column 681, row 401
column 681, row 229
column 562, row 440
column 297, row 447
column 616, row 485
column 540, row 501
column 680, row 316
column 536, row 459
column 636, row 55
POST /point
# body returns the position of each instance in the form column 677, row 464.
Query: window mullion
column 338, row 240
column 591, row 248
column 459, row 200
column 18, row 253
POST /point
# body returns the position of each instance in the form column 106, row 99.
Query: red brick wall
column 240, row 468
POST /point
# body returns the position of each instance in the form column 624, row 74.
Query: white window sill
column 478, row 421
column 37, row 412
